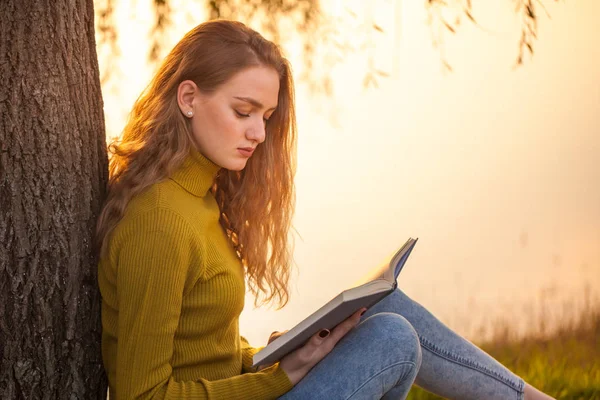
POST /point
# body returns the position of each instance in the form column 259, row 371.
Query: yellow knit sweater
column 172, row 292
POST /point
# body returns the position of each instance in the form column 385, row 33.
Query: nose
column 257, row 132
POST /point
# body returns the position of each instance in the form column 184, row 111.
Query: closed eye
column 241, row 115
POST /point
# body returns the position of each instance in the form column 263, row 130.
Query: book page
column 379, row 272
column 386, row 271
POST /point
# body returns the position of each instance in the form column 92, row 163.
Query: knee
column 399, row 335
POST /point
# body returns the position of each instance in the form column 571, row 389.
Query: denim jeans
column 398, row 343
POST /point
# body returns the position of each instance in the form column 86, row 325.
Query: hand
column 273, row 336
column 297, row 364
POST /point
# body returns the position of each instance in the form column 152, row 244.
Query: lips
column 246, row 151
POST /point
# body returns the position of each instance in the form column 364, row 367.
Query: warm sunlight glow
column 496, row 169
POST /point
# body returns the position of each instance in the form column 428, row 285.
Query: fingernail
column 324, row 333
column 363, row 313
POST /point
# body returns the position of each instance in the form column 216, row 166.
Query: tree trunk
column 53, row 174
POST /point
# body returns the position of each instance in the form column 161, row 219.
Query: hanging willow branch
column 318, row 31
column 106, row 35
column 460, row 10
column 162, row 22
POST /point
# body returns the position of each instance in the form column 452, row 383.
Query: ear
column 186, row 93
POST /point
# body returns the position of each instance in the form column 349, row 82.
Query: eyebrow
column 252, row 101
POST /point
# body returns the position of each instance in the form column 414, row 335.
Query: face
column 229, row 123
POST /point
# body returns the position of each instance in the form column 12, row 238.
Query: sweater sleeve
column 248, row 353
column 152, row 275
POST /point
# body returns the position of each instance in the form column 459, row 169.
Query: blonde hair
column 157, row 139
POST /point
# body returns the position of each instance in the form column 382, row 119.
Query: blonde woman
column 201, row 198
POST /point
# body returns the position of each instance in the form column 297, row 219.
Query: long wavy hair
column 256, row 203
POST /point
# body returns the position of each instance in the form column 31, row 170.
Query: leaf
column 378, row 28
column 470, row 16
column 369, row 80
column 450, row 27
column 448, row 66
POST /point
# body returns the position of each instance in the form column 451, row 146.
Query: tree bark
column 53, row 174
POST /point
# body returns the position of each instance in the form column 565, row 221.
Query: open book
column 375, row 286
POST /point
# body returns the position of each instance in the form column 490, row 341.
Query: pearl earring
column 190, row 113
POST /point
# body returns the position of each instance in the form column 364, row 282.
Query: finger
column 346, row 326
column 315, row 348
column 276, row 335
column 353, row 320
column 358, row 315
column 273, row 336
column 320, row 337
column 273, row 333
column 327, row 339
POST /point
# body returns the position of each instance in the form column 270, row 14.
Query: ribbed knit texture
column 172, row 292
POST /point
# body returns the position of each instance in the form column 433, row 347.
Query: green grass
column 565, row 363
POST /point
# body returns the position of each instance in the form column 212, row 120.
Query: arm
column 248, row 353
column 152, row 275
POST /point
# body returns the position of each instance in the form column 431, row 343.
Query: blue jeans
column 398, row 343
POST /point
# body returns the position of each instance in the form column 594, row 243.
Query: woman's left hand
column 273, row 336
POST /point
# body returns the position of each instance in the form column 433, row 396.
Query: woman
column 201, row 198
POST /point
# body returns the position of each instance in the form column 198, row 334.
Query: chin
column 236, row 165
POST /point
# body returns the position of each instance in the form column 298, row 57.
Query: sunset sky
column 496, row 169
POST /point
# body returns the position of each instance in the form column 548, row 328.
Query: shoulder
column 164, row 195
column 155, row 231
column 160, row 208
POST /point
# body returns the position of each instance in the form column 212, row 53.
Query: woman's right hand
column 297, row 364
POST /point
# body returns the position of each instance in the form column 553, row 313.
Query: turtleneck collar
column 196, row 174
